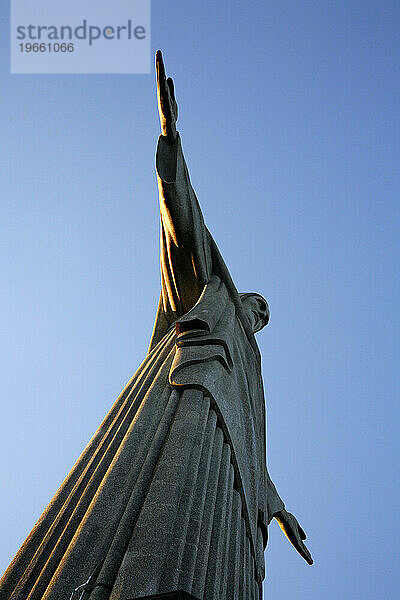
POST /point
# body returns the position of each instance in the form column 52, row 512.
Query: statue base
column 178, row 595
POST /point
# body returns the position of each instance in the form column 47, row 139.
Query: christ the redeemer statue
column 171, row 498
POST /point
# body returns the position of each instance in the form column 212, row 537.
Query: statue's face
column 257, row 311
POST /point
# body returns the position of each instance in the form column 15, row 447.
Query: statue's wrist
column 279, row 513
column 170, row 134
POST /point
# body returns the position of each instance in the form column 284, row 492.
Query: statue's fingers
column 163, row 94
column 304, row 552
column 160, row 63
column 160, row 69
column 171, row 86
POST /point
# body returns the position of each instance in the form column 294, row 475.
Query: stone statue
column 171, row 498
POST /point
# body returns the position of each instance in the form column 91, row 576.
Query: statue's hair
column 245, row 295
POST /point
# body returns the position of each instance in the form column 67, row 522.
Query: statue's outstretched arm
column 186, row 263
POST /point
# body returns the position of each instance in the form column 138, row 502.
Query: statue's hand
column 167, row 106
column 294, row 533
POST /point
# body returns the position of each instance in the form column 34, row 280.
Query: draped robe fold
column 172, row 492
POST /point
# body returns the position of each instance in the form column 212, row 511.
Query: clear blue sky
column 289, row 115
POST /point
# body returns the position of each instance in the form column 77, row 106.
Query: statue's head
column 256, row 308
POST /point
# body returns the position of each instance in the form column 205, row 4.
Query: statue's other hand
column 167, row 106
column 294, row 533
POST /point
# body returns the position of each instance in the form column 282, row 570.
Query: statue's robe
column 172, row 492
